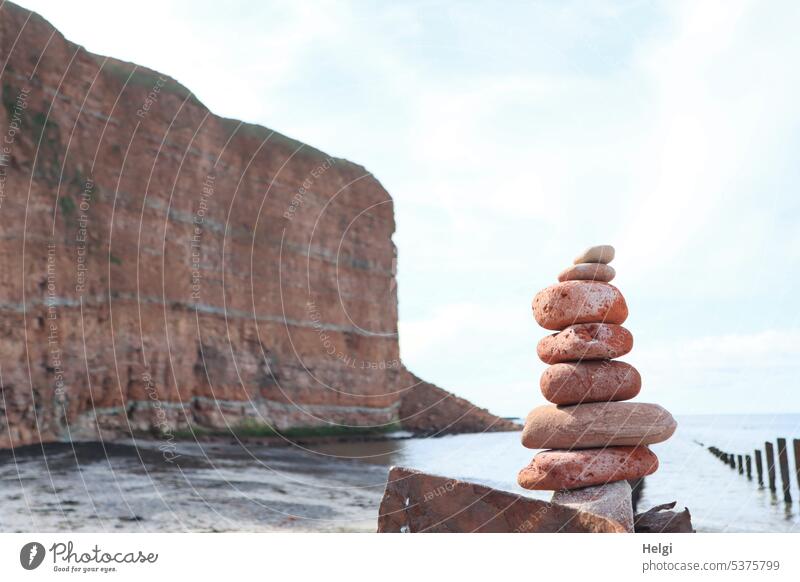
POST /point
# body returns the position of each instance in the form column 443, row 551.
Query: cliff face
column 163, row 267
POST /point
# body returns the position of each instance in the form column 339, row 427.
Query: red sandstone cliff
column 165, row 267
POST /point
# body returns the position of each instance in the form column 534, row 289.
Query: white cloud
column 717, row 84
column 754, row 372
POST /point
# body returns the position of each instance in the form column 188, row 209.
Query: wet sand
column 336, row 484
column 212, row 486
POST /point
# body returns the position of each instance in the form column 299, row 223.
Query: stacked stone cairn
column 593, row 438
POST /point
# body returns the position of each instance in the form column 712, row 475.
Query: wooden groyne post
column 783, row 461
column 748, row 463
column 770, row 465
column 797, row 460
column 759, row 468
column 740, row 464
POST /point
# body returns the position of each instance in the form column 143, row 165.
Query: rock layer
column 571, row 302
column 166, row 267
column 591, row 381
column 585, row 341
column 553, row 470
column 597, row 424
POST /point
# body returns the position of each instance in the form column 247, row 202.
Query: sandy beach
column 210, row 487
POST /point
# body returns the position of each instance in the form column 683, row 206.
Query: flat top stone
column 597, row 254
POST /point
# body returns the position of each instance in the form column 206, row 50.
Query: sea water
column 718, row 497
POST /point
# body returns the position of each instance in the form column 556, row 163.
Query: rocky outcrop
column 416, row 502
column 597, row 424
column 660, row 519
column 163, row 267
column 432, row 411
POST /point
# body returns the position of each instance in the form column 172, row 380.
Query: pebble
column 570, row 302
column 592, row 381
column 597, row 424
column 598, row 254
column 555, row 470
column 585, row 341
column 588, row 272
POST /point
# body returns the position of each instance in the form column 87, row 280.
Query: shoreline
column 336, row 484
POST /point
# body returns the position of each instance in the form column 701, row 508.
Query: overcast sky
column 511, row 138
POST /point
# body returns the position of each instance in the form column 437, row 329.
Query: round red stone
column 593, row 381
column 585, row 341
column 554, row 470
column 571, row 302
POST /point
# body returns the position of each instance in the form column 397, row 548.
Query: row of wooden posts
column 744, row 464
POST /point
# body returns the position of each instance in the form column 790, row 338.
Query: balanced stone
column 599, row 254
column 597, row 424
column 585, row 341
column 593, row 381
column 553, row 470
column 571, row 302
column 588, row 272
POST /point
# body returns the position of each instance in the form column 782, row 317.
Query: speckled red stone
column 554, row 470
column 593, row 381
column 585, row 341
column 571, row 302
